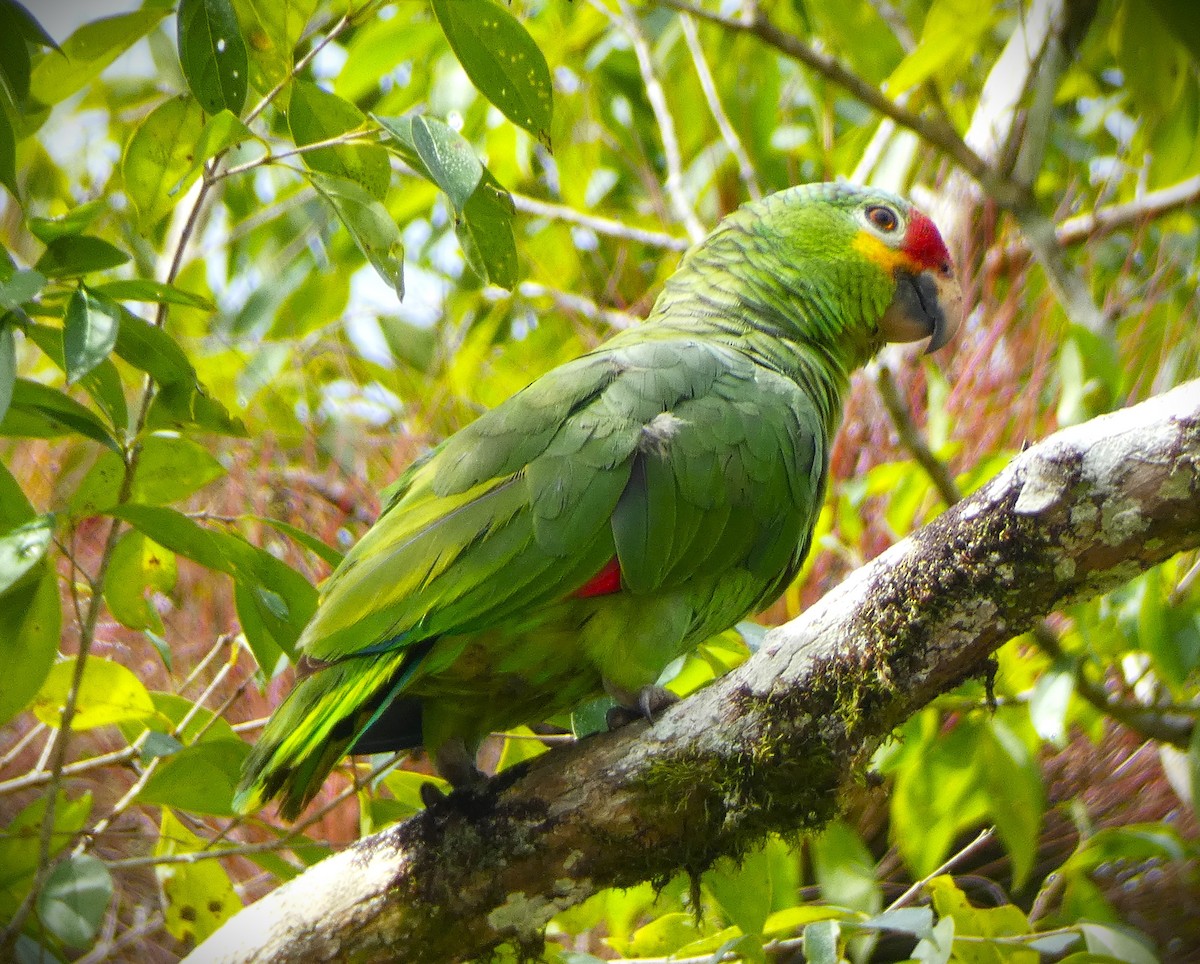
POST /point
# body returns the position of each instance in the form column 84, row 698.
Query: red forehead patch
column 923, row 243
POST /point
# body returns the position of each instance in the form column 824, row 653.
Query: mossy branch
column 771, row 746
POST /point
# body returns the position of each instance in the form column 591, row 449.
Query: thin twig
column 708, row 85
column 601, row 225
column 966, row 851
column 911, row 437
column 1150, row 722
column 662, row 115
column 18, row 748
column 936, row 132
column 567, row 301
column 348, row 139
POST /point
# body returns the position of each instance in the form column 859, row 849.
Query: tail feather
column 314, row 728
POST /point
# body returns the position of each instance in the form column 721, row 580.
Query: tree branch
column 770, row 746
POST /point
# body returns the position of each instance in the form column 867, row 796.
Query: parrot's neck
column 784, row 320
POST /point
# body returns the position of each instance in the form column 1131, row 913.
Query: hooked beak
column 926, row 304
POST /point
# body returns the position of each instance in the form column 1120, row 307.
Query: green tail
column 314, row 728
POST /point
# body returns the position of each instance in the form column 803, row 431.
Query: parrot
column 621, row 509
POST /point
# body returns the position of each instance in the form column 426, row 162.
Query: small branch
column 1150, row 722
column 708, row 85
column 350, row 138
column 1110, row 217
column 911, row 437
column 601, row 225
column 937, row 133
column 966, row 851
column 662, row 114
column 576, row 304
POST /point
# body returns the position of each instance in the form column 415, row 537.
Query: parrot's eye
column 883, row 218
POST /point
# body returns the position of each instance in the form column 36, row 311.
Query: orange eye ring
column 884, row 218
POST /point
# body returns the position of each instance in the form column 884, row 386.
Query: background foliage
column 206, row 374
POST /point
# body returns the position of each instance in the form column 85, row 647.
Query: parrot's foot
column 457, row 764
column 648, row 703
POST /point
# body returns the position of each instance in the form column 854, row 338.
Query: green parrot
column 618, row 511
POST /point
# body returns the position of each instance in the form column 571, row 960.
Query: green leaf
column 159, row 160
column 74, row 899
column 89, row 332
column 38, row 411
column 213, row 54
column 169, row 713
column 149, row 348
column 136, row 565
column 19, row 843
column 198, row 896
column 75, row 221
column 20, row 287
column 844, row 869
column 1117, row 945
column 159, row 292
column 917, row 921
column 221, row 132
column 369, row 224
column 281, row 598
column 22, row 548
column 103, row 382
column 449, row 159
column 662, row 936
column 821, row 942
column 502, row 61
column 108, row 693
column 485, row 233
column 14, row 53
column 316, row 115
column 73, row 255
column 30, row 627
column 28, row 26
column 307, row 540
column 171, row 468
column 948, row 39
column 272, row 29
column 14, row 506
column 400, row 138
column 87, row 52
column 8, row 366
column 8, row 155
column 1016, row 800
column 520, row 744
column 200, row 778
column 938, row 945
column 1004, row 921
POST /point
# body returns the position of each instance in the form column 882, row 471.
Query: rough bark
column 770, row 746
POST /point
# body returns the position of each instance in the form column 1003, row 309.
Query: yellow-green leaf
column 108, row 693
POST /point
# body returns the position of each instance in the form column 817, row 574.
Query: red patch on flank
column 604, row 583
column 923, row 243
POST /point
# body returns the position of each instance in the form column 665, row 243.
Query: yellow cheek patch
column 875, row 251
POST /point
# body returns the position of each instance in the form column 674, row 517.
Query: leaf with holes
column 449, row 159
column 213, row 54
column 502, row 61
